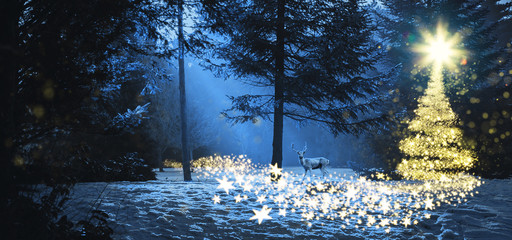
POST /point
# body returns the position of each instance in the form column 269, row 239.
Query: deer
column 311, row 163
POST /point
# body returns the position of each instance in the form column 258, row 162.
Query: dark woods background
column 86, row 96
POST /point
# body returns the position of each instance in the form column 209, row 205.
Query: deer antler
column 305, row 147
column 294, row 148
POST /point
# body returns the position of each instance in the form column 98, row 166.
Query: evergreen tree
column 308, row 57
column 59, row 59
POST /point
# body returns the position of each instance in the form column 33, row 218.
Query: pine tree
column 312, row 54
column 56, row 56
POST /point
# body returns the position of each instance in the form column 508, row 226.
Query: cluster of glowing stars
column 348, row 199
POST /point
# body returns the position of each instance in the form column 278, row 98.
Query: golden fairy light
column 348, row 200
column 435, row 148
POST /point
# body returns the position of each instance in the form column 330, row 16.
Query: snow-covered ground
column 170, row 208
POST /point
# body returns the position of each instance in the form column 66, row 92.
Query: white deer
column 311, row 163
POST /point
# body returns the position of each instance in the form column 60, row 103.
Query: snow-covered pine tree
column 308, row 57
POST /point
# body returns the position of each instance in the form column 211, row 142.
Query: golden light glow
column 434, row 148
column 351, row 202
column 440, row 48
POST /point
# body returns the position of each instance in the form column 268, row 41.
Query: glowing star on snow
column 275, row 170
column 371, row 221
column 281, row 184
column 238, row 198
column 261, row 199
column 385, row 206
column 406, row 221
column 279, row 199
column 216, row 199
column 262, row 214
column 384, row 222
column 225, row 184
column 282, row 212
column 239, row 179
column 247, row 187
column 429, row 204
column 350, row 193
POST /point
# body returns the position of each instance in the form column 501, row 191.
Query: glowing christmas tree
column 434, row 149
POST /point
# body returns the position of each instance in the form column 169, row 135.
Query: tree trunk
column 160, row 159
column 277, row 145
column 183, row 101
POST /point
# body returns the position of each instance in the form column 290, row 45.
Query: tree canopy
column 313, row 61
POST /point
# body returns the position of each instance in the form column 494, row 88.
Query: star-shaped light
column 216, row 199
column 262, row 214
column 380, row 176
column 279, row 199
column 319, row 186
column 371, row 221
column 238, row 198
column 439, row 48
column 406, row 221
column 261, row 199
column 342, row 214
column 429, row 204
column 281, row 184
column 275, row 171
column 225, row 184
column 385, row 206
column 282, row 212
column 384, row 222
column 247, row 187
column 350, row 193
column 239, row 179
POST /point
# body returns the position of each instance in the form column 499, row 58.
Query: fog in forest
column 207, row 98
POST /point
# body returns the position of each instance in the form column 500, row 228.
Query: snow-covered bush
column 131, row 118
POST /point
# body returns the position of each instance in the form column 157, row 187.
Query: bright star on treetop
column 261, row 215
column 440, row 48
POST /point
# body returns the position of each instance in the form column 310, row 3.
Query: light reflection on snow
column 353, row 202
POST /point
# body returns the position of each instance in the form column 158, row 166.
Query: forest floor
column 169, row 208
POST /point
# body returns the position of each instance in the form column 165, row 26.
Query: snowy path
column 172, row 209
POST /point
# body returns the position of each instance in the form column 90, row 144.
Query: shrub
column 128, row 168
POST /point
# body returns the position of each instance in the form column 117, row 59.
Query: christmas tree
column 434, row 148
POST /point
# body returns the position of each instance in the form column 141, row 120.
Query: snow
column 169, row 208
